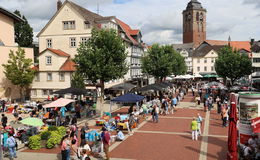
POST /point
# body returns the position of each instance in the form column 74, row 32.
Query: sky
column 160, row 21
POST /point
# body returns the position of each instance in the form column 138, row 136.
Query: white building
column 256, row 59
column 204, row 58
column 185, row 50
column 135, row 50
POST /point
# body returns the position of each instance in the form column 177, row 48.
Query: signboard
column 255, row 124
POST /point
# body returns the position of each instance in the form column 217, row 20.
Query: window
column 205, row 60
column 212, row 68
column 198, row 61
column 48, row 60
column 73, row 42
column 256, row 60
column 87, row 25
column 49, row 76
column 198, row 68
column 69, row 25
column 84, row 40
column 37, row 77
column 62, row 77
column 49, row 43
column 44, row 92
column 212, row 60
column 205, row 68
column 34, row 92
column 50, row 92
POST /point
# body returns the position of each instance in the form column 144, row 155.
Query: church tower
column 194, row 23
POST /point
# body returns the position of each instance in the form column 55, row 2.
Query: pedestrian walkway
column 171, row 138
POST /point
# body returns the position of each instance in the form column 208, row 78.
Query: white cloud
column 159, row 21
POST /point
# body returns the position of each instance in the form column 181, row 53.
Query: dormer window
column 68, row 25
column 87, row 25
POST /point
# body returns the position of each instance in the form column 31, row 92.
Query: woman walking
column 194, row 128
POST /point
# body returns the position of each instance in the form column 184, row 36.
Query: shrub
column 35, row 142
column 62, row 130
column 54, row 139
column 45, row 135
column 52, row 128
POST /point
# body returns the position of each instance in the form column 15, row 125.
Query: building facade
column 204, row 58
column 7, row 43
column 135, row 50
column 256, row 58
column 194, row 23
column 186, row 51
column 70, row 26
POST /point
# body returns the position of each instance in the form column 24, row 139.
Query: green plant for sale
column 54, row 139
column 62, row 130
column 35, row 142
column 45, row 135
column 52, row 128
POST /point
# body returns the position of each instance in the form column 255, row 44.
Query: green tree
column 102, row 58
column 23, row 32
column 77, row 80
column 18, row 70
column 233, row 65
column 162, row 61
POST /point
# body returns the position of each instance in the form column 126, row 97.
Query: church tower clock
column 194, row 23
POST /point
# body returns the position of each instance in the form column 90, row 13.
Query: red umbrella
column 232, row 132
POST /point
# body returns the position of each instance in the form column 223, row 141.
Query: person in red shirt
column 106, row 141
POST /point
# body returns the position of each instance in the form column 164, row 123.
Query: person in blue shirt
column 120, row 135
column 11, row 144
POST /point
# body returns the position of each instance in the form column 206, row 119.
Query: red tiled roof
column 241, row 45
column 58, row 52
column 36, row 68
column 134, row 32
column 238, row 45
column 69, row 65
column 127, row 29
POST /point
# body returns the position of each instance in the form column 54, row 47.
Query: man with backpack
column 11, row 144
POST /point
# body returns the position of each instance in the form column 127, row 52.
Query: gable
column 65, row 13
column 211, row 54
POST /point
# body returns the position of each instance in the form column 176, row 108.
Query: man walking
column 199, row 121
column 4, row 120
column 11, row 144
column 106, row 141
column 194, row 128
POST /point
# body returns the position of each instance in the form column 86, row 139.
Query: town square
column 129, row 80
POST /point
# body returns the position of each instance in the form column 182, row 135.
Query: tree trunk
column 21, row 94
column 102, row 85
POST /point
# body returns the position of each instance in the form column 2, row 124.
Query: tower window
column 197, row 16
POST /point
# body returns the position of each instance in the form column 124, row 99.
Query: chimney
column 252, row 41
column 59, row 4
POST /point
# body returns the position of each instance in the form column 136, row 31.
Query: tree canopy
column 102, row 58
column 77, row 80
column 162, row 61
column 18, row 69
column 233, row 65
column 23, row 32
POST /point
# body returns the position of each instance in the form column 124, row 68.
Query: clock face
column 189, row 17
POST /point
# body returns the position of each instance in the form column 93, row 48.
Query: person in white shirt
column 120, row 135
column 83, row 146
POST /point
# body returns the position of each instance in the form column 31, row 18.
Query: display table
column 122, row 125
column 100, row 122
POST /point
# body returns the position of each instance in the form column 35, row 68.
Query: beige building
column 204, row 58
column 7, row 43
column 70, row 26
column 54, row 73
